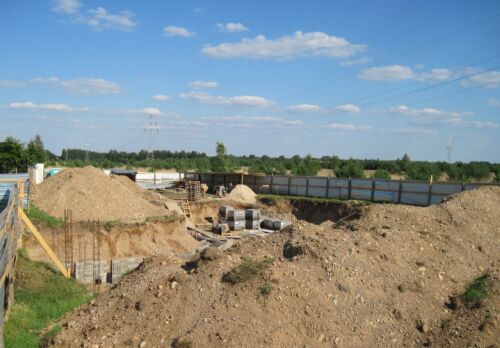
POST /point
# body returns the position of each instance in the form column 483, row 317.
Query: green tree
column 12, row 156
column 221, row 163
column 350, row 169
column 36, row 151
column 381, row 174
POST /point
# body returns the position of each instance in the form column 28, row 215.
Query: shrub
column 247, row 269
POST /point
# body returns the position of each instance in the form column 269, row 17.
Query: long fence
column 415, row 192
column 10, row 232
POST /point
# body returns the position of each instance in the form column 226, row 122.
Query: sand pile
column 383, row 280
column 242, row 194
column 91, row 194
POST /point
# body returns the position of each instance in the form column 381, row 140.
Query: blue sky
column 362, row 79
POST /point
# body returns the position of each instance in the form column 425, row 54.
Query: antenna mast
column 450, row 147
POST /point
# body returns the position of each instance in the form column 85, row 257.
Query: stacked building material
column 238, row 219
column 224, row 211
column 252, row 219
column 193, row 189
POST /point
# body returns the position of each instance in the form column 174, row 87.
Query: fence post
column 349, row 189
column 307, row 186
column 327, row 186
column 463, row 186
column 272, row 182
column 400, row 190
column 289, row 183
column 255, row 182
column 373, row 189
column 429, row 198
column 213, row 182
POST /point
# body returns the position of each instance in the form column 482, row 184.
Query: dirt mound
column 242, row 194
column 382, row 280
column 91, row 194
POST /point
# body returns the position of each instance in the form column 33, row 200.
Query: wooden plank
column 44, row 244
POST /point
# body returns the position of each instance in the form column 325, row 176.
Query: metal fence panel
column 415, row 192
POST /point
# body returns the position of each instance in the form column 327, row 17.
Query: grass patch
column 37, row 214
column 247, row 269
column 266, row 289
column 42, row 295
column 269, row 199
column 49, row 335
column 165, row 218
column 476, row 291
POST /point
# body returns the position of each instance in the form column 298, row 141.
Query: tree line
column 16, row 156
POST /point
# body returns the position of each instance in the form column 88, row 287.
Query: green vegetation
column 477, row 290
column 271, row 199
column 14, row 156
column 37, row 214
column 42, row 295
column 266, row 289
column 247, row 269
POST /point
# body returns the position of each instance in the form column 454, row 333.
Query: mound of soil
column 91, row 194
column 242, row 194
column 382, row 280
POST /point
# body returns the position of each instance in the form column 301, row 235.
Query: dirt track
column 381, row 280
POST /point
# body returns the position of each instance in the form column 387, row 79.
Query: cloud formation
column 433, row 117
column 401, row 73
column 173, row 30
column 202, row 84
column 488, row 79
column 45, row 107
column 313, row 44
column 254, row 119
column 306, row 109
column 346, row 126
column 243, row 100
column 66, row 6
column 98, row 18
column 358, row 61
column 231, row 27
column 161, row 97
column 80, row 86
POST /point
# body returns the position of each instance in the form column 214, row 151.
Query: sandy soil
column 381, row 280
column 90, row 194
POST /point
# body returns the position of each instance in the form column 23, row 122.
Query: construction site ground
column 340, row 276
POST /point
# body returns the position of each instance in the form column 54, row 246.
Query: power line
column 399, row 55
column 152, row 129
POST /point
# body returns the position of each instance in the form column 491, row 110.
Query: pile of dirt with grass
column 383, row 280
column 242, row 194
column 91, row 194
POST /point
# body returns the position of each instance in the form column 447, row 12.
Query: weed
column 476, row 291
column 270, row 199
column 37, row 214
column 247, row 269
column 41, row 296
column 167, row 218
column 47, row 337
column 266, row 289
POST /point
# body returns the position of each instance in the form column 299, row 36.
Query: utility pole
column 450, row 147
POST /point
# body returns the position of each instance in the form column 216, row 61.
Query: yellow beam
column 44, row 244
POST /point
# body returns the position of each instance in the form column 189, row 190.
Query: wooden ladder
column 186, row 209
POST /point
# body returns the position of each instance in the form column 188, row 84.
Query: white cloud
column 12, row 84
column 350, row 108
column 416, row 131
column 173, row 30
column 313, row 44
column 346, row 126
column 305, row 108
column 401, row 73
column 243, row 100
column 387, row 73
column 431, row 116
column 489, row 79
column 90, row 86
column 253, row 120
column 144, row 111
column 66, row 6
column 359, row 61
column 202, row 84
column 231, row 27
column 99, row 18
column 45, row 107
column 81, row 86
column 161, row 97
column 493, row 102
